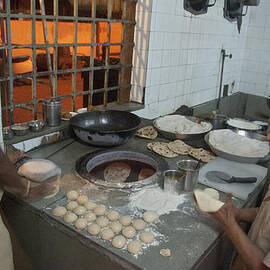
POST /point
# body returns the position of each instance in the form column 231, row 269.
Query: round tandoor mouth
column 121, row 168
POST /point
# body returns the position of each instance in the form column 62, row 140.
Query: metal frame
column 6, row 16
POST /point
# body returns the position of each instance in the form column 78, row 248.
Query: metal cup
column 190, row 173
column 173, row 181
column 52, row 112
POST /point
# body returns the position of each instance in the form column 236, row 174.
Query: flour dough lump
column 90, row 205
column 82, row 199
column 150, row 216
column 212, row 193
column 139, row 224
column 72, row 195
column 125, row 220
column 90, row 216
column 147, row 237
column 59, row 211
column 71, row 205
column 107, row 234
column 116, row 226
column 100, row 210
column 205, row 202
column 129, row 232
column 93, row 229
column 80, row 223
column 102, row 221
column 119, row 241
column 113, row 215
column 134, row 247
column 70, row 217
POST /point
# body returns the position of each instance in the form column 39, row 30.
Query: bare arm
column 246, row 214
column 251, row 255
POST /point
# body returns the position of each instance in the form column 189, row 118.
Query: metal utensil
column 221, row 177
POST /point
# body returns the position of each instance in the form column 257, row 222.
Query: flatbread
column 147, row 132
column 145, row 173
column 117, row 172
column 162, row 149
column 201, row 154
column 206, row 203
column 179, row 147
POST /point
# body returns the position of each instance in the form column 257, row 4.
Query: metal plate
column 236, row 158
column 175, row 136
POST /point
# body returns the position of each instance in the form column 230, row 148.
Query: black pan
column 105, row 128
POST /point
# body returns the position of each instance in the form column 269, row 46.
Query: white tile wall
column 184, row 54
column 255, row 71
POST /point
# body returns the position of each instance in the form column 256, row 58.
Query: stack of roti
column 147, row 132
column 178, row 147
column 205, row 202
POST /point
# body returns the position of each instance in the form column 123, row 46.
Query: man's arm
column 251, row 255
column 8, row 175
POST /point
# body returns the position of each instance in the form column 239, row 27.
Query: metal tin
column 36, row 125
column 191, row 172
column 174, row 181
column 52, row 112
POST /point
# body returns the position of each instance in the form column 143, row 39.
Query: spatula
column 221, row 177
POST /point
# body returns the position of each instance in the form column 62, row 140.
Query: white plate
column 82, row 110
column 242, row 124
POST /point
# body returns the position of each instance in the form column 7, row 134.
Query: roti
column 145, row 173
column 162, row 149
column 201, row 154
column 147, row 132
column 206, row 203
column 179, row 147
column 117, row 172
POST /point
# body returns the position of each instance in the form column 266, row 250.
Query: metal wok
column 105, row 128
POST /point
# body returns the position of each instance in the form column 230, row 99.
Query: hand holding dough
column 205, row 202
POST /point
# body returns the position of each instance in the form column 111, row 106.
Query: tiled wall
column 183, row 60
column 255, row 76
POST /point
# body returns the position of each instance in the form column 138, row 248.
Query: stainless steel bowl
column 36, row 125
column 20, row 129
column 175, row 136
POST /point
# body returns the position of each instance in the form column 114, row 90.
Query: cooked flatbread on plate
column 179, row 147
column 147, row 132
column 162, row 149
column 151, row 144
column 117, row 172
column 202, row 154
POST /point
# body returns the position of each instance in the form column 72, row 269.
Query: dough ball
column 90, row 216
column 80, row 223
column 59, row 211
column 139, row 224
column 150, row 216
column 100, row 210
column 116, row 226
column 125, row 220
column 134, row 247
column 72, row 195
column 82, row 199
column 71, row 205
column 165, row 252
column 102, row 221
column 212, row 193
column 107, row 234
column 147, row 237
column 93, row 229
column 113, row 215
column 70, row 217
column 79, row 210
column 90, row 205
column 129, row 232
column 119, row 241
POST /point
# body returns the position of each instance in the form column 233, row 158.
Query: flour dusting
column 156, row 199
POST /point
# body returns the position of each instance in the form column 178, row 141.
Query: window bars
column 123, row 64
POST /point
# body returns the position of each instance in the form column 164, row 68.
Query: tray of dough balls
column 122, row 229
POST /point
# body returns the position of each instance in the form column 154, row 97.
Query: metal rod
column 45, row 33
column 223, row 56
column 55, row 55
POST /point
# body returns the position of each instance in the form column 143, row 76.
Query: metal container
column 174, row 181
column 178, row 136
column 36, row 125
column 218, row 121
column 190, row 172
column 52, row 112
column 20, row 129
column 7, row 133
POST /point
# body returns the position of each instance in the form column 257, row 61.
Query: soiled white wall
column 255, row 75
column 183, row 60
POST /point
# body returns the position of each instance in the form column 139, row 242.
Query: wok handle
column 243, row 180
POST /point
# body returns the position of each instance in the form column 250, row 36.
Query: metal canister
column 52, row 112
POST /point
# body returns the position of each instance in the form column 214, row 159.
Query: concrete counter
column 195, row 240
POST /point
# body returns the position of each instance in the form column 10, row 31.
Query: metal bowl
column 20, row 129
column 241, row 159
column 36, row 125
column 175, row 136
column 105, row 128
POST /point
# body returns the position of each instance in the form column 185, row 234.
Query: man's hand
column 227, row 214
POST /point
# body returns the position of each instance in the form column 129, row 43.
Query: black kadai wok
column 105, row 128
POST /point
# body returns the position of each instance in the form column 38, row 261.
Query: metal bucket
column 52, row 112
column 190, row 173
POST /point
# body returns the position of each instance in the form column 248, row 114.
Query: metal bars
column 54, row 71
